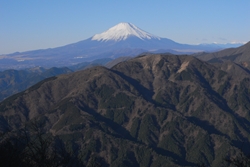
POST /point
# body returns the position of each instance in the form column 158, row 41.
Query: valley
column 126, row 97
column 152, row 110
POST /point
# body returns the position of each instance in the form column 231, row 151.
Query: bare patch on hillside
column 183, row 66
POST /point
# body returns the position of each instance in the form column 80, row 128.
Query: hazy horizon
column 31, row 25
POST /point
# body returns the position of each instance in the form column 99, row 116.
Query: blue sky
column 40, row 24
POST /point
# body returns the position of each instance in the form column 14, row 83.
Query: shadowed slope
column 239, row 54
column 148, row 111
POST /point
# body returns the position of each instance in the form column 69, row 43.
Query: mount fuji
column 124, row 39
column 123, row 31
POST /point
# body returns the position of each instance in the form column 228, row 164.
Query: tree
column 32, row 146
column 241, row 160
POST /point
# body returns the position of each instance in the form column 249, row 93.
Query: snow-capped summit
column 122, row 31
column 124, row 39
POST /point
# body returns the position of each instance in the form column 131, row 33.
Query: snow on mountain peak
column 122, row 31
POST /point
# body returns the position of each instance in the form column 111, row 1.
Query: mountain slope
column 152, row 110
column 239, row 54
column 14, row 81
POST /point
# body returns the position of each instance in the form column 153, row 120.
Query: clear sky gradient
column 40, row 24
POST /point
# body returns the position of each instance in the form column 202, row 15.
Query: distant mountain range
column 238, row 55
column 124, row 39
column 151, row 110
column 108, row 108
column 15, row 81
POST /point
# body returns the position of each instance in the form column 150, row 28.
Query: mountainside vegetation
column 152, row 110
column 15, row 81
column 238, row 55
